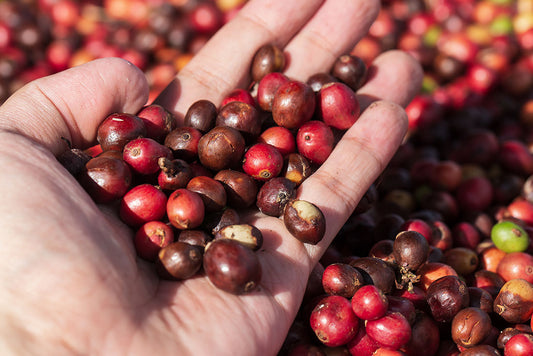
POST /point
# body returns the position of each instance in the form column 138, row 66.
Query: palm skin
column 71, row 281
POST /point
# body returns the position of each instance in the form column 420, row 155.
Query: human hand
column 72, row 282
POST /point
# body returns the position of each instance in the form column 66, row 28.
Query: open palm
column 71, row 281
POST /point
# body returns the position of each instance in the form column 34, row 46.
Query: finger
column 393, row 76
column 223, row 63
column 333, row 31
column 357, row 160
column 72, row 103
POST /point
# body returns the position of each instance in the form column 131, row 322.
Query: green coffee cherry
column 509, row 237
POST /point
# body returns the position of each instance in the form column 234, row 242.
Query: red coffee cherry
column 262, row 161
column 334, row 321
column 118, row 129
column 141, row 204
column 315, row 141
column 157, row 120
column 142, row 154
column 338, row 106
column 151, row 237
column 185, row 209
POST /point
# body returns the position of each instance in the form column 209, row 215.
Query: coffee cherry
column 305, row 221
column 410, row 250
column 279, row 137
column 157, row 120
column 262, row 161
column 118, row 129
column 241, row 189
column 391, row 330
column 315, row 141
column 446, row 297
column 174, row 174
column 221, row 148
column 514, row 301
column 267, row 59
column 341, row 279
column 509, row 237
column 183, row 142
column 334, row 321
column 178, row 261
column 369, row 303
column 106, row 178
column 185, row 209
column 274, row 195
column 210, row 190
column 470, row 327
column 338, row 106
column 267, row 87
column 351, row 70
column 232, row 266
column 246, row 234
column 294, row 104
column 241, row 95
column 242, row 117
column 141, row 204
column 151, row 237
column 142, row 155
column 201, row 115
column 296, row 168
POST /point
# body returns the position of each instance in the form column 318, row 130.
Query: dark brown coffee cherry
column 183, row 142
column 201, row 115
column 178, row 261
column 376, row 272
column 470, row 327
column 118, row 129
column 351, row 70
column 232, row 266
column 267, row 59
column 410, row 249
column 274, row 195
column 447, row 296
column 221, row 148
column 293, row 105
column 242, row 117
column 241, row 189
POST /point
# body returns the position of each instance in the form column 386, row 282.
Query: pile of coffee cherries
column 183, row 188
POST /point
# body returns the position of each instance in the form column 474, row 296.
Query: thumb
column 71, row 104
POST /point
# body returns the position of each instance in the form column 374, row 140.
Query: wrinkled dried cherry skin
column 514, row 302
column 274, row 195
column 305, row 221
column 201, row 115
column 174, row 174
column 221, row 148
column 178, row 260
column 446, row 296
column 106, row 178
column 118, row 129
column 232, row 266
column 470, row 327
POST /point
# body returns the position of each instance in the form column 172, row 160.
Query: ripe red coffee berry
column 238, row 94
column 338, row 106
column 185, row 209
column 369, row 303
column 151, row 238
column 279, row 137
column 141, row 204
column 118, row 129
column 232, row 266
column 305, row 221
column 294, row 104
column 334, row 321
column 262, row 161
column 392, row 330
column 142, row 154
column 341, row 279
column 157, row 120
column 519, row 345
column 267, row 87
column 174, row 174
column 315, row 141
